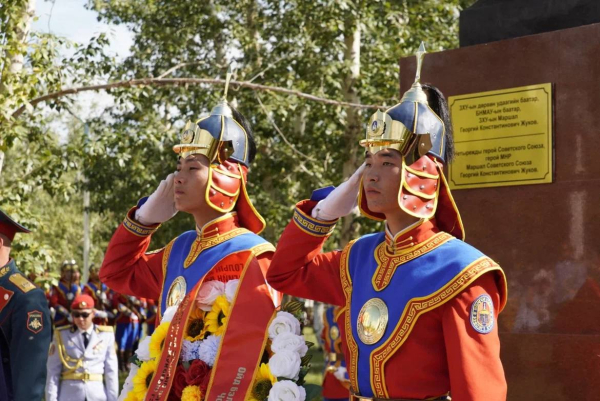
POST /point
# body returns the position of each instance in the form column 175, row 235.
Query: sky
column 70, row 19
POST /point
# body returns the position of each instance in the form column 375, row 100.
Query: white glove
column 341, row 201
column 101, row 314
column 341, row 374
column 160, row 206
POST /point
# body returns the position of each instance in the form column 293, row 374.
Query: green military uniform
column 25, row 331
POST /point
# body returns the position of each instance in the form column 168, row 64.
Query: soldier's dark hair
column 438, row 104
column 239, row 117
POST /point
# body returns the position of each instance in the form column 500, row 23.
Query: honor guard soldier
column 127, row 327
column 82, row 362
column 336, row 382
column 25, row 327
column 421, row 303
column 60, row 296
column 98, row 291
column 210, row 184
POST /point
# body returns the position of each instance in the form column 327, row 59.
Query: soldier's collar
column 7, row 268
column 410, row 236
column 219, row 226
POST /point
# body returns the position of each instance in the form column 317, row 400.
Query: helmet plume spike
column 230, row 71
column 415, row 93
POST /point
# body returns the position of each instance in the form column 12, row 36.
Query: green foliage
column 296, row 44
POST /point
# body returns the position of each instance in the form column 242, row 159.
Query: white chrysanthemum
column 285, row 364
column 286, row 390
column 230, row 289
column 284, row 322
column 143, row 351
column 190, row 350
column 128, row 385
column 290, row 342
column 169, row 313
column 208, row 349
column 208, row 293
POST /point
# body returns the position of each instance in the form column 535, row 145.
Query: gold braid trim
column 388, row 263
column 352, row 346
column 165, row 261
column 415, row 308
column 69, row 363
column 201, row 244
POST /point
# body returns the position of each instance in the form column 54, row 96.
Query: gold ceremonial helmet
column 218, row 136
column 387, row 130
column 415, row 130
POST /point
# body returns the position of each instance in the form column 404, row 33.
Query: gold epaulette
column 21, row 282
column 62, row 328
column 105, row 328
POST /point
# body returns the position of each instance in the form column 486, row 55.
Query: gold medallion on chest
column 176, row 292
column 372, row 321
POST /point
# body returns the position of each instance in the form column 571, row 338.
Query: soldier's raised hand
column 160, row 206
column 342, row 200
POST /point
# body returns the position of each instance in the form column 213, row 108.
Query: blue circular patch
column 374, row 126
column 482, row 314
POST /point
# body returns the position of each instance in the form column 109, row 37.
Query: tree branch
column 270, row 118
column 187, row 81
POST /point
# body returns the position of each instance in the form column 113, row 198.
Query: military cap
column 9, row 227
column 82, row 301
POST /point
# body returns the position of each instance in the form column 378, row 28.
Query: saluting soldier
column 24, row 325
column 82, row 362
column 421, row 304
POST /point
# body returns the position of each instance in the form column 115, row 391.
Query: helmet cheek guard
column 418, row 133
column 223, row 189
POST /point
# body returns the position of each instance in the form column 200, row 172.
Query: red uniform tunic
column 60, row 298
column 442, row 353
column 128, row 269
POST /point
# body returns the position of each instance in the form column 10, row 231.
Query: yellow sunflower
column 195, row 328
column 192, row 393
column 217, row 317
column 263, row 383
column 131, row 397
column 158, row 339
column 143, row 378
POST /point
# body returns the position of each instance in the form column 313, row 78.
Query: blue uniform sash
column 204, row 262
column 418, row 278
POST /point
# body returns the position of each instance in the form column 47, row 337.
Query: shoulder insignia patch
column 21, row 282
column 482, row 314
column 35, row 321
column 104, row 328
column 5, row 296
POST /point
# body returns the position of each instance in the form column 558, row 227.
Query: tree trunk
column 16, row 33
column 352, row 37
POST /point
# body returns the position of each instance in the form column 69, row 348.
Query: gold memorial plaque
column 502, row 137
column 372, row 321
column 176, row 292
